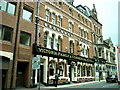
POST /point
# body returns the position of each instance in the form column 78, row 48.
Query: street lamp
column 36, row 39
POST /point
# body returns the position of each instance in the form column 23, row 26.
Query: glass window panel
column 4, row 5
column 27, row 15
column 11, row 8
column 7, row 34
column 25, row 39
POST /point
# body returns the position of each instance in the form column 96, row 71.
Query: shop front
column 65, row 65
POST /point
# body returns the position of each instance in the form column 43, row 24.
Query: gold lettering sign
column 61, row 54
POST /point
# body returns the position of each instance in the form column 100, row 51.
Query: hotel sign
column 58, row 54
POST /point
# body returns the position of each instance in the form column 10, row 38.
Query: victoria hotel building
column 65, row 43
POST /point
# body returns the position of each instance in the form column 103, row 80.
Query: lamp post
column 36, row 39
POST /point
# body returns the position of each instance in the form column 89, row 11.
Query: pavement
column 59, row 86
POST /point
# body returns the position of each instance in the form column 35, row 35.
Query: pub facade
column 65, row 45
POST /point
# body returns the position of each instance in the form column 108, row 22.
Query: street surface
column 96, row 85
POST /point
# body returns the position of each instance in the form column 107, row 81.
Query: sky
column 107, row 11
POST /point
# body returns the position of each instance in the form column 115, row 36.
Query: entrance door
column 40, row 74
column 22, row 74
column 42, row 69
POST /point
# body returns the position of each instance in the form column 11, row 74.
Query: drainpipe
column 15, row 47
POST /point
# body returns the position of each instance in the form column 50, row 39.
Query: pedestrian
column 55, row 80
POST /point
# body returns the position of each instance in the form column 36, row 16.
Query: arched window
column 45, row 39
column 70, row 26
column 61, row 68
column 78, row 70
column 52, row 68
column 52, row 41
column 88, row 70
column 83, row 71
column 71, row 46
column 59, row 44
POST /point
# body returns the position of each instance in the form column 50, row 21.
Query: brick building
column 66, row 43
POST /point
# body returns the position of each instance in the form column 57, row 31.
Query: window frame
column 21, row 33
column 70, row 27
column 52, row 41
column 28, row 9
column 59, row 20
column 3, row 30
column 47, row 15
column 53, row 18
column 7, row 7
column 45, row 39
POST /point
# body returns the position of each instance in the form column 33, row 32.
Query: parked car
column 111, row 78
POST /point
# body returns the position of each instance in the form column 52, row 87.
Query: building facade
column 67, row 43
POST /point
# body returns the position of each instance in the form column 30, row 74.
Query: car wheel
column 107, row 81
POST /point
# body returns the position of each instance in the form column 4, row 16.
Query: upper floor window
column 47, row 15
column 78, row 16
column 27, row 14
column 53, row 18
column 59, row 20
column 59, row 44
column 52, row 41
column 71, row 46
column 82, row 33
column 45, row 39
column 60, row 4
column 70, row 11
column 70, row 26
column 8, row 7
column 6, row 33
column 99, row 50
column 25, row 38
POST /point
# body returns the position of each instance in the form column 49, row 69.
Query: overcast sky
column 107, row 15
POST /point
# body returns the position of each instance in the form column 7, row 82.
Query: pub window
column 59, row 20
column 52, row 68
column 78, row 70
column 45, row 39
column 25, row 38
column 83, row 71
column 52, row 41
column 70, row 26
column 59, row 44
column 83, row 19
column 60, row 4
column 6, row 33
column 53, row 18
column 88, row 71
column 99, row 50
column 79, row 31
column 8, row 7
column 70, row 11
column 78, row 16
column 47, row 15
column 61, row 73
column 27, row 14
column 71, row 46
column 82, row 33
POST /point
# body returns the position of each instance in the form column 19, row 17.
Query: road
column 97, row 85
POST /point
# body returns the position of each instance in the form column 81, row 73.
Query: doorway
column 22, row 74
column 40, row 74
